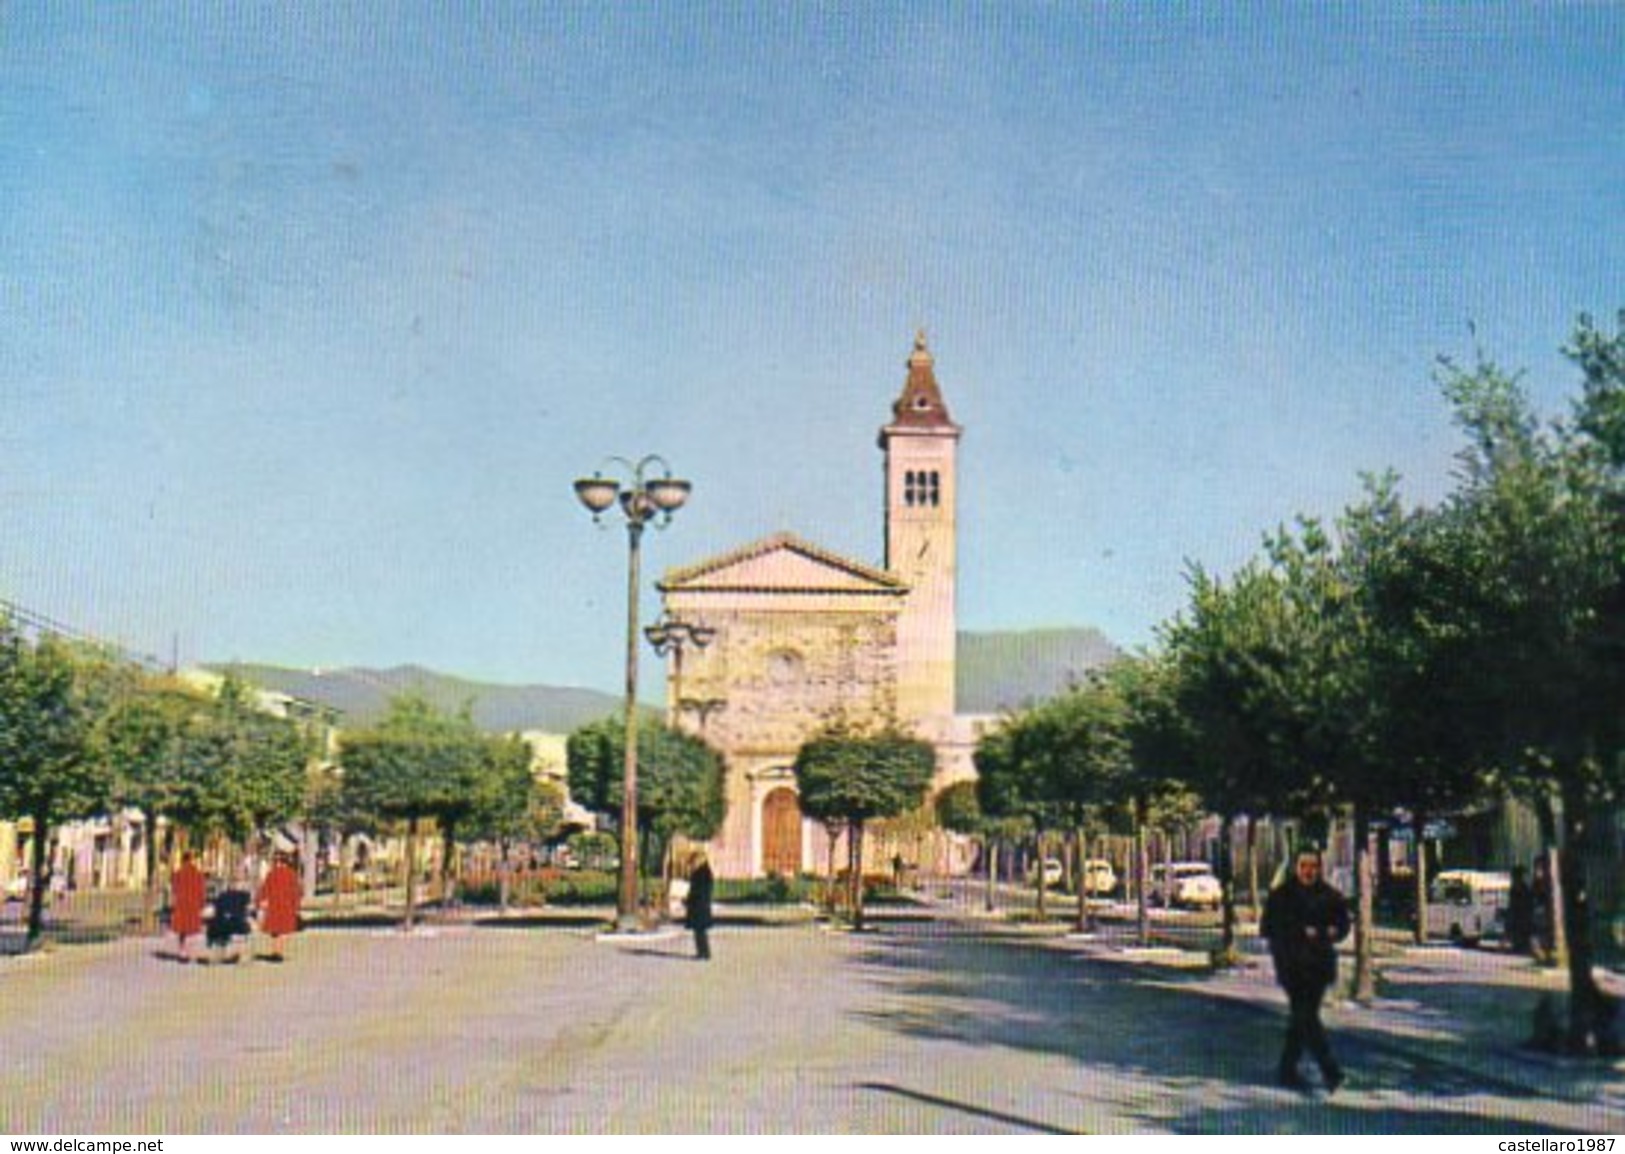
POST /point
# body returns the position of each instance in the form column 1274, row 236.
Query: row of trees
column 846, row 778
column 423, row 769
column 83, row 735
column 1400, row 659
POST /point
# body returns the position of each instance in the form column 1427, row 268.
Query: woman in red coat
column 188, row 893
column 278, row 901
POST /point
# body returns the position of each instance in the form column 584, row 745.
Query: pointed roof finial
column 921, row 354
column 921, row 405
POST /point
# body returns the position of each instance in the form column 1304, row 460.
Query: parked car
column 1468, row 905
column 1053, row 872
column 1099, row 879
column 1190, row 884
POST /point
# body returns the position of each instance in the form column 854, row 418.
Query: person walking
column 229, row 924
column 188, row 894
column 278, row 902
column 697, row 910
column 1304, row 919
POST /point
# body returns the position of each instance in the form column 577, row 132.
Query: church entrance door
column 781, row 833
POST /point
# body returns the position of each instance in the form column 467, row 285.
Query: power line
column 35, row 624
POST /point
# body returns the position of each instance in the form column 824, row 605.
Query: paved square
column 934, row 1027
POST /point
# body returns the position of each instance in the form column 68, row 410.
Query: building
column 801, row 636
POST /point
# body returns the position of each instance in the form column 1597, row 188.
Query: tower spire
column 921, row 405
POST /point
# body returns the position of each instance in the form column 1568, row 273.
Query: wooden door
column 781, row 833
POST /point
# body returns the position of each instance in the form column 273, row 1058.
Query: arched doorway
column 781, row 833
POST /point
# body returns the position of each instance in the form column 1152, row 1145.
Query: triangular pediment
column 782, row 563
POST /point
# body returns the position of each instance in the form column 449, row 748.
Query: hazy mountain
column 1008, row 670
column 997, row 671
column 363, row 695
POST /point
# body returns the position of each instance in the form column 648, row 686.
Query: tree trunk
column 1043, row 905
column 1142, row 872
column 39, row 882
column 1556, row 899
column 1080, row 855
column 1418, row 827
column 448, row 877
column 1227, row 887
column 310, row 843
column 1167, row 867
column 149, row 894
column 832, row 837
column 346, row 864
column 1365, row 979
column 1253, row 908
column 1590, row 1029
column 992, row 864
column 411, row 872
column 855, row 870
column 502, row 876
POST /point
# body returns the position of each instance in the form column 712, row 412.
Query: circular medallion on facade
column 783, row 666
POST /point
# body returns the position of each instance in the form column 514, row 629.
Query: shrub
column 583, row 888
column 775, row 889
column 525, row 888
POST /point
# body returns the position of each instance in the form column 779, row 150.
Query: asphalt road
column 926, row 1028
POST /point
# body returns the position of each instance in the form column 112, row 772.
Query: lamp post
column 670, row 635
column 642, row 499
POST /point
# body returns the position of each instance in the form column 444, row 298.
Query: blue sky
column 310, row 314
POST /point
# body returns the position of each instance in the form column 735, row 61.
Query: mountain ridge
column 998, row 671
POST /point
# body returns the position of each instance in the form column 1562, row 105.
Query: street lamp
column 671, row 635
column 642, row 499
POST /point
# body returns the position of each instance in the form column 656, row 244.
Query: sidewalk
column 1440, row 1007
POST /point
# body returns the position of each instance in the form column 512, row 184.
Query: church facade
column 801, row 636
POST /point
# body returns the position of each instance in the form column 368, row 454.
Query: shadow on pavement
column 1339, row 1116
column 946, row 983
column 963, row 1108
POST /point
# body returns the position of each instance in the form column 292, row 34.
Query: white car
column 1052, row 872
column 1099, row 879
column 1468, row 905
column 1186, row 883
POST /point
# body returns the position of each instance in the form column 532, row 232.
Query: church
column 799, row 636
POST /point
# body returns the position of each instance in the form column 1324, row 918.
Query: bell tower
column 921, row 446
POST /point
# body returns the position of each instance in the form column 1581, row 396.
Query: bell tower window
column 922, row 488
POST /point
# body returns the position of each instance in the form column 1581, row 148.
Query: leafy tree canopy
column 847, row 775
column 680, row 778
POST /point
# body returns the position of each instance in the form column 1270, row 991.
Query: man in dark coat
column 1304, row 919
column 697, row 911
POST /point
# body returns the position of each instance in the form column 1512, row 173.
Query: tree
column 47, row 773
column 680, row 781
column 1541, row 542
column 958, row 811
column 1420, row 668
column 510, row 803
column 257, row 768
column 141, row 743
column 1158, row 749
column 1337, row 682
column 1233, row 651
column 1011, row 789
column 417, row 763
column 857, row 777
column 1078, row 746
